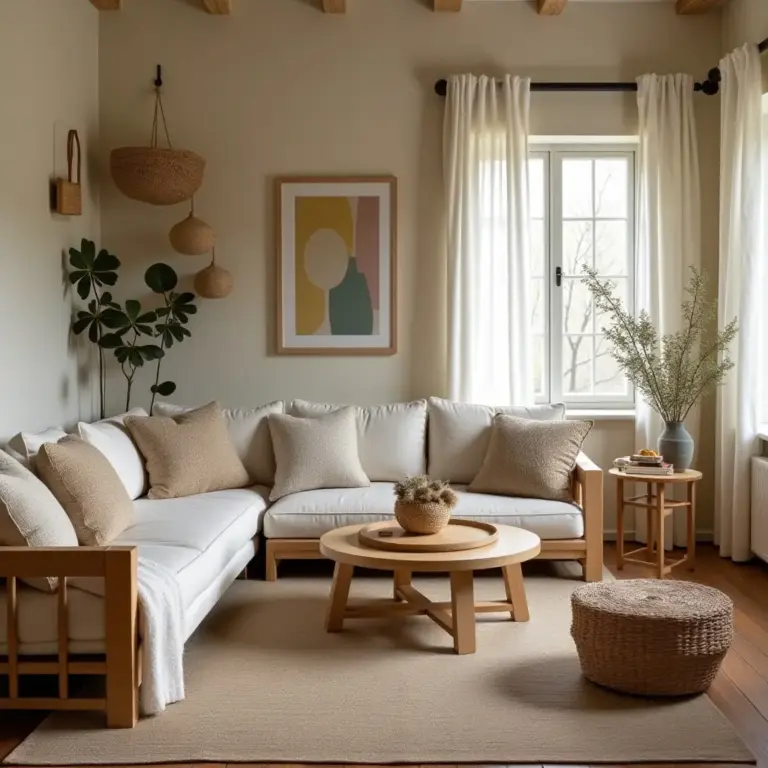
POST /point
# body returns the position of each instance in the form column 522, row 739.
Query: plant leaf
column 115, row 318
column 111, row 341
column 88, row 252
column 165, row 389
column 151, row 352
column 106, row 278
column 77, row 275
column 160, row 278
column 84, row 288
column 105, row 262
column 132, row 309
column 81, row 324
column 185, row 298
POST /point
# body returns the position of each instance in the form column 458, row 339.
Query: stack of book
column 646, row 465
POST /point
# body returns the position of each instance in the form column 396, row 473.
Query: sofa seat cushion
column 196, row 537
column 310, row 514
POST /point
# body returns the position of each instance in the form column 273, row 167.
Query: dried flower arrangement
column 423, row 505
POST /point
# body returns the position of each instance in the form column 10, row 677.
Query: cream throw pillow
column 531, row 458
column 316, row 453
column 188, row 454
column 89, row 489
column 30, row 516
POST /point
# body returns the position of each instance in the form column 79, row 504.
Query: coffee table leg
column 463, row 610
column 342, row 580
column 402, row 579
column 513, row 583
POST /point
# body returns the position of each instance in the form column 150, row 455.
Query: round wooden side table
column 658, row 508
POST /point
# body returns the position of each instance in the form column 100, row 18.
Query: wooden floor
column 740, row 690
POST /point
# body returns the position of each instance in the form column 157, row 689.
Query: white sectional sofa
column 207, row 540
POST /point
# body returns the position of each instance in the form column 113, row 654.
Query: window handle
column 559, row 276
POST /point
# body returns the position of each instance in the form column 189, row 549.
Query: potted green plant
column 672, row 372
column 422, row 505
column 129, row 331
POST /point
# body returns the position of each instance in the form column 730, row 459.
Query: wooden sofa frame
column 587, row 486
column 119, row 664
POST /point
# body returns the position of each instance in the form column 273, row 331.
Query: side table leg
column 691, row 553
column 342, row 580
column 513, row 583
column 463, row 611
column 620, row 523
column 650, row 533
column 402, row 579
column 660, row 525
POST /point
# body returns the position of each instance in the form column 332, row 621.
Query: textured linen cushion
column 89, row 489
column 27, row 444
column 30, row 516
column 188, row 454
column 249, row 432
column 317, row 452
column 459, row 434
column 112, row 438
column 391, row 439
column 531, row 458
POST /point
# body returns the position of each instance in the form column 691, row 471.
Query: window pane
column 539, row 362
column 577, row 246
column 536, row 187
column 577, row 189
column 611, row 188
column 609, row 379
column 611, row 252
column 577, row 307
column 538, row 247
column 537, row 305
column 577, row 365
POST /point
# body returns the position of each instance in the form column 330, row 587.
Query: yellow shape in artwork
column 324, row 243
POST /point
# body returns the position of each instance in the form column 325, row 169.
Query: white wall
column 281, row 88
column 745, row 21
column 49, row 81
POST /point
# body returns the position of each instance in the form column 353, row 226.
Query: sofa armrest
column 588, row 492
column 118, row 566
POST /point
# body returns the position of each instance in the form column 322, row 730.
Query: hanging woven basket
column 214, row 282
column 192, row 236
column 153, row 174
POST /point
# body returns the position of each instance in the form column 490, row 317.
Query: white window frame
column 553, row 155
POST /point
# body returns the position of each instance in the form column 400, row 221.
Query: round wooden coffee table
column 456, row 617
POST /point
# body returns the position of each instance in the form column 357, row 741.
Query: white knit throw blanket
column 161, row 617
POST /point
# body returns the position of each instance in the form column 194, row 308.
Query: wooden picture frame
column 341, row 297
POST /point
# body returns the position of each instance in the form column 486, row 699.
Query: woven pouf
column 651, row 637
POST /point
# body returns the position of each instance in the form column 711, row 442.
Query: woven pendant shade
column 214, row 282
column 153, row 174
column 192, row 236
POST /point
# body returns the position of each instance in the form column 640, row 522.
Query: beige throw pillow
column 30, row 516
column 318, row 452
column 531, row 458
column 89, row 489
column 188, row 454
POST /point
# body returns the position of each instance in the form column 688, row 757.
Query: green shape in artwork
column 350, row 308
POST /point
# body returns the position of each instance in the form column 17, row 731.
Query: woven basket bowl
column 157, row 175
column 422, row 518
column 192, row 236
column 214, row 282
column 651, row 637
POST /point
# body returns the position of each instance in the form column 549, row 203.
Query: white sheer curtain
column 669, row 230
column 486, row 176
column 741, row 294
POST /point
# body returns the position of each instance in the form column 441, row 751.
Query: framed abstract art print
column 336, row 265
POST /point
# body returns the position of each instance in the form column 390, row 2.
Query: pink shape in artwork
column 367, row 244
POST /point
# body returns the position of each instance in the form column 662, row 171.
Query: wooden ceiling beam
column 335, row 6
column 452, row 6
column 551, row 7
column 107, row 5
column 686, row 7
column 218, row 7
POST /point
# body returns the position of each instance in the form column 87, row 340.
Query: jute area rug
column 266, row 683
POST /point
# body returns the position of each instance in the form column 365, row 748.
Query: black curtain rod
column 709, row 87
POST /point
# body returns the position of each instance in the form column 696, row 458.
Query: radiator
column 760, row 506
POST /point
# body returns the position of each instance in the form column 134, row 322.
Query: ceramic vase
column 676, row 445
